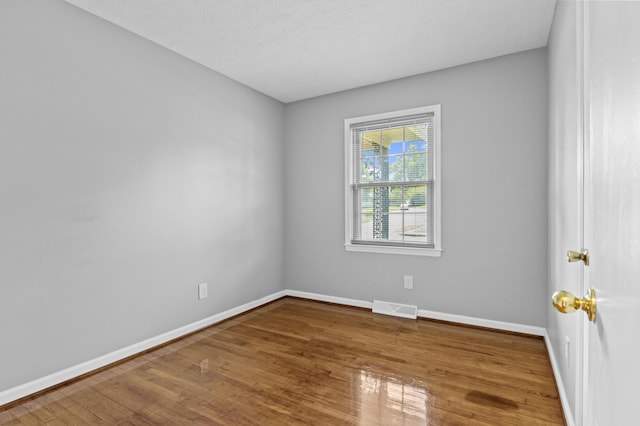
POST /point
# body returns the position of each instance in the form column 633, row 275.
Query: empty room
column 359, row 212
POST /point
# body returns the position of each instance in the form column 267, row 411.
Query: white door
column 612, row 212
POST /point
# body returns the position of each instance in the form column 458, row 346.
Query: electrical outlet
column 202, row 291
column 408, row 282
column 567, row 350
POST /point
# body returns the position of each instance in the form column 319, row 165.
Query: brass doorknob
column 575, row 256
column 566, row 302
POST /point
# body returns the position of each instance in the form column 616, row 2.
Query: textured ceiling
column 297, row 49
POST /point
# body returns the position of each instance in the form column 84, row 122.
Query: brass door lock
column 566, row 302
column 574, row 256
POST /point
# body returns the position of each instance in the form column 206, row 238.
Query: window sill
column 412, row 251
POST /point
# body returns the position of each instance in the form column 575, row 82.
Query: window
column 393, row 182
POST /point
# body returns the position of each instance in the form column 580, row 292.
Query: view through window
column 392, row 184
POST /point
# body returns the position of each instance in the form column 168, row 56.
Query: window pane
column 395, row 226
column 416, row 166
column 366, row 200
column 417, row 197
column 376, row 227
column 415, row 146
column 394, row 213
column 396, row 167
column 371, row 142
column 392, row 135
column 393, row 155
column 416, row 132
column 366, row 227
column 415, row 227
column 370, row 169
column 396, row 197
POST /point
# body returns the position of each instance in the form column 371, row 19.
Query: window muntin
column 392, row 189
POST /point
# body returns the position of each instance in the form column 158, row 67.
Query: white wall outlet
column 408, row 282
column 567, row 350
column 202, row 291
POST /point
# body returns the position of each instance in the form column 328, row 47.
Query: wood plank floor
column 301, row 362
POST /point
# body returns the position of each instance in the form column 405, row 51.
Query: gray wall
column 494, row 181
column 564, row 213
column 128, row 175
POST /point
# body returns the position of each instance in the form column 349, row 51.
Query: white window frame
column 349, row 176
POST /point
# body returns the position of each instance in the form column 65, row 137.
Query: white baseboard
column 62, row 376
column 330, row 299
column 566, row 407
column 481, row 322
column 461, row 319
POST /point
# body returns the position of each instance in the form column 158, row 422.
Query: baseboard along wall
column 55, row 379
column 564, row 400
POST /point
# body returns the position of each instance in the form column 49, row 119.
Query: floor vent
column 395, row 309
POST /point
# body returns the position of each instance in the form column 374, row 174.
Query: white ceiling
column 297, row 49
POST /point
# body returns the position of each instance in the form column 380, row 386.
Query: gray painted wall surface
column 494, row 214
column 128, row 175
column 564, row 233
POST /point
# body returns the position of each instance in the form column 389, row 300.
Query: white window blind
column 392, row 179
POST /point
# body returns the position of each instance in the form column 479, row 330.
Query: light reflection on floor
column 387, row 400
column 299, row 362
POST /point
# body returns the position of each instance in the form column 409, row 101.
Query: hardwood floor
column 302, row 362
